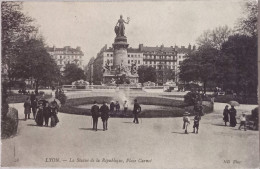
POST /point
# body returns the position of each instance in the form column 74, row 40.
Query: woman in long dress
column 232, row 114
column 226, row 115
column 39, row 114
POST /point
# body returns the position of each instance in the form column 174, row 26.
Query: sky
column 90, row 25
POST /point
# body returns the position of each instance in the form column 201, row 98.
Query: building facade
column 66, row 55
column 182, row 52
column 165, row 60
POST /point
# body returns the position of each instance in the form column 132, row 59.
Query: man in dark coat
column 225, row 115
column 136, row 111
column 95, row 115
column 104, row 115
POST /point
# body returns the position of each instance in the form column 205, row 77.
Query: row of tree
column 24, row 54
column 226, row 58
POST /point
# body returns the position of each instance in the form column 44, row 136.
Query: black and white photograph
column 130, row 84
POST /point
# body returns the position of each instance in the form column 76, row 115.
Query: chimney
column 189, row 47
column 141, row 47
column 194, row 47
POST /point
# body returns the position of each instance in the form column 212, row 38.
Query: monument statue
column 120, row 26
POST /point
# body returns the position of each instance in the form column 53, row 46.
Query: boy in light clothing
column 242, row 121
column 125, row 105
column 186, row 121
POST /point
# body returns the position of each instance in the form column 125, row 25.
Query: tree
column 73, row 73
column 242, row 51
column 248, row 25
column 199, row 66
column 17, row 28
column 35, row 63
column 215, row 38
column 146, row 74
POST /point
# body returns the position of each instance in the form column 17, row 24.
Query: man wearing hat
column 95, row 115
column 136, row 111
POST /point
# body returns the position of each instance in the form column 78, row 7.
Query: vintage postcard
column 129, row 84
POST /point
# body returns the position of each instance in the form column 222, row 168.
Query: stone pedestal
column 120, row 63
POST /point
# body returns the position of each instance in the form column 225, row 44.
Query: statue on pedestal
column 120, row 26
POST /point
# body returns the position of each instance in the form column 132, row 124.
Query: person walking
column 32, row 96
column 46, row 112
column 117, row 107
column 136, row 111
column 226, row 115
column 242, row 121
column 186, row 121
column 104, row 115
column 95, row 115
column 125, row 105
column 34, row 107
column 27, row 108
column 196, row 124
column 39, row 114
column 232, row 114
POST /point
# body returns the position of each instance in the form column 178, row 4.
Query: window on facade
column 128, row 61
column 132, row 56
column 138, row 61
column 135, row 56
column 60, row 57
column 107, row 55
column 111, row 55
column 150, row 62
column 129, row 56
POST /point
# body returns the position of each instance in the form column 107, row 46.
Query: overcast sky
column 90, row 25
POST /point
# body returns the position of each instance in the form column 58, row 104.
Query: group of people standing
column 42, row 111
column 104, row 111
column 229, row 115
column 115, row 107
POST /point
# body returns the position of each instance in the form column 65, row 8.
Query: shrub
column 59, row 94
column 4, row 108
column 190, row 98
column 9, row 124
column 41, row 93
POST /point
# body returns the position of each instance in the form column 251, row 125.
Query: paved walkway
column 154, row 143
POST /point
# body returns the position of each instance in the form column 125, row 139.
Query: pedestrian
column 117, row 107
column 95, row 115
column 196, row 124
column 27, row 108
column 112, row 107
column 232, row 115
column 226, row 115
column 34, row 107
column 136, row 111
column 39, row 114
column 186, row 121
column 46, row 112
column 104, row 114
column 125, row 105
column 242, row 121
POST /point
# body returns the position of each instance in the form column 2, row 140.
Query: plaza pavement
column 160, row 141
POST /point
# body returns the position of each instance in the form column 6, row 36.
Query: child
column 242, row 121
column 186, row 121
column 196, row 123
